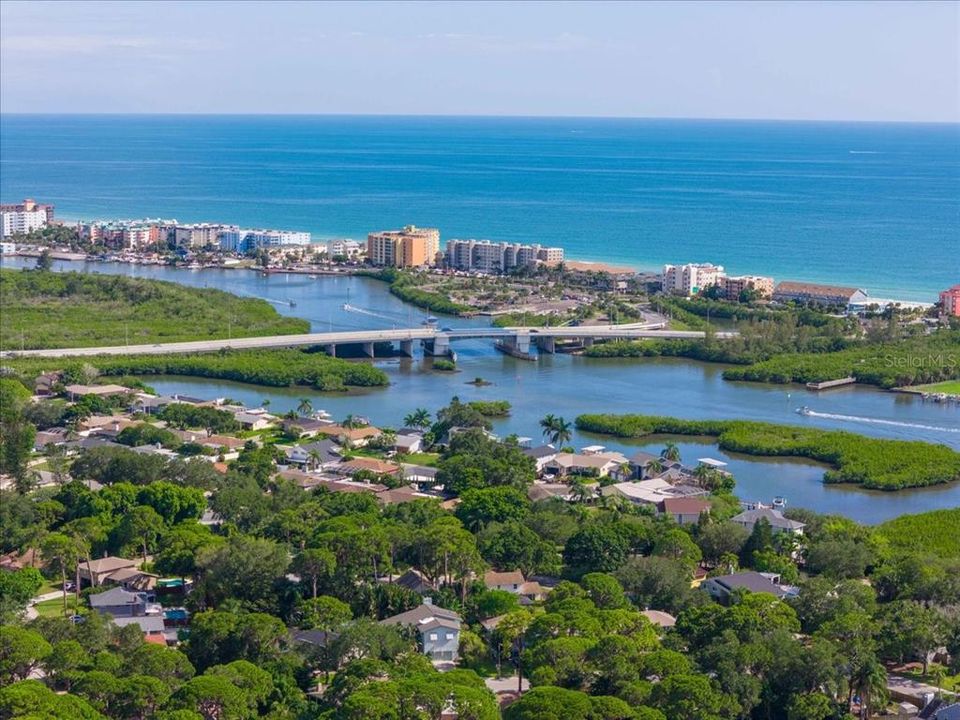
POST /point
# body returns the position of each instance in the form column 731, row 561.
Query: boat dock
column 828, row 384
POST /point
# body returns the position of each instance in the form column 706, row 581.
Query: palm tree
column 419, row 418
column 655, row 466
column 314, row 459
column 871, row 684
column 671, row 452
column 305, row 407
column 562, row 432
column 349, row 422
column 549, row 425
column 265, row 403
column 581, row 491
column 703, row 474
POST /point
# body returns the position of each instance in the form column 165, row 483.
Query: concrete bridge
column 433, row 340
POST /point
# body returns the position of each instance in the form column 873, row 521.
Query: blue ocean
column 872, row 205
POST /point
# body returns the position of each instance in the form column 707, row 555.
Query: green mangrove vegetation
column 491, row 408
column 277, row 368
column 913, row 361
column 936, row 532
column 856, row 459
column 55, row 310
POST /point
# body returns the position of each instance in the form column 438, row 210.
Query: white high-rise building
column 490, row 257
column 692, row 278
column 24, row 217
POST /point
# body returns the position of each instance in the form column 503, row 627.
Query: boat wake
column 878, row 421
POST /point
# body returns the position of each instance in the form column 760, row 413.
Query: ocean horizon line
column 485, row 116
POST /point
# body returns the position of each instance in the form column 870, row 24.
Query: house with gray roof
column 723, row 586
column 437, row 628
column 778, row 523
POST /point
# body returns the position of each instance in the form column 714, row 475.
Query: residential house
column 123, row 603
column 529, row 591
column 541, row 455
column 723, row 586
column 50, row 436
column 509, row 581
column 357, row 437
column 408, row 443
column 596, row 465
column 659, row 618
column 95, row 571
column 412, row 580
column 76, row 391
column 332, row 483
column 420, row 475
column 132, row 579
column 650, row 492
column 437, row 628
column 318, row 455
column 778, row 523
column 46, row 383
column 366, row 464
column 219, row 442
column 394, row 496
column 151, row 625
column 643, row 464
column 544, row 491
column 684, row 510
column 253, row 419
column 304, row 427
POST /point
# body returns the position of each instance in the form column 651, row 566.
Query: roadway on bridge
column 596, row 332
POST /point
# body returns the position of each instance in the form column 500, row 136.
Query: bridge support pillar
column 368, row 349
column 441, row 346
column 547, row 345
column 522, row 343
column 331, row 350
column 406, row 348
column 587, row 342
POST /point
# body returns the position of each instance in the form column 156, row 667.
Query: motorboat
column 804, row 410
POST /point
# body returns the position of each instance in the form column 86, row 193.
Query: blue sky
column 817, row 61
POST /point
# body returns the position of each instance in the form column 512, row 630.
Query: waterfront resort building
column 498, row 257
column 950, row 299
column 25, row 217
column 411, row 247
column 825, row 295
column 734, row 286
column 7, row 248
column 692, row 278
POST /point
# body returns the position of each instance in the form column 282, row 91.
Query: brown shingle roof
column 814, row 289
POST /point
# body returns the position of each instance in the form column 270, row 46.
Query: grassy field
column 951, row 387
column 56, row 310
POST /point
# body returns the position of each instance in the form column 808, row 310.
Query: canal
column 570, row 385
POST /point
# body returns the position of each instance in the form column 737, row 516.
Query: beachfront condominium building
column 343, row 248
column 233, row 239
column 950, row 299
column 490, row 257
column 692, row 278
column 137, row 237
column 25, row 217
column 410, row 247
column 734, row 286
column 816, row 294
column 200, row 235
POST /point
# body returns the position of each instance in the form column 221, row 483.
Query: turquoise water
column 868, row 204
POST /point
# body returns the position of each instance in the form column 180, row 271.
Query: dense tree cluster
column 284, row 561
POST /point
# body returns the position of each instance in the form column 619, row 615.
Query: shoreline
column 908, row 298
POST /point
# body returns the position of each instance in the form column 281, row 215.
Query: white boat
column 804, row 411
column 779, row 501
